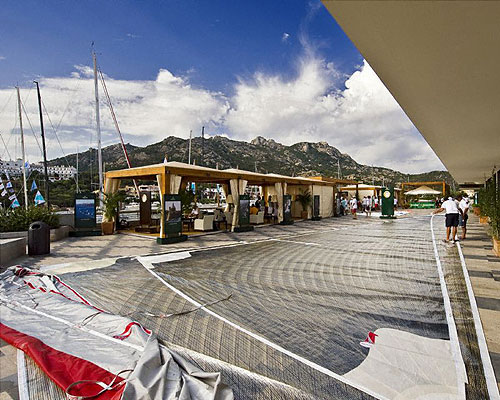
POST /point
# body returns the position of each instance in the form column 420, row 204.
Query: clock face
column 387, row 194
column 144, row 198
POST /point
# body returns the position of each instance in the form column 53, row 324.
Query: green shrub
column 489, row 205
column 304, row 198
column 111, row 203
column 19, row 219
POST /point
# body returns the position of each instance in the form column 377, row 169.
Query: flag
column 12, row 197
column 33, row 186
column 2, row 187
column 9, row 185
column 27, row 165
column 369, row 341
column 15, row 204
column 4, row 193
column 39, row 198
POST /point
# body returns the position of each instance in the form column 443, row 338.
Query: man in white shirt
column 452, row 213
column 463, row 205
column 354, row 207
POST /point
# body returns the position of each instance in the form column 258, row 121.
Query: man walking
column 354, row 207
column 452, row 213
column 463, row 205
column 368, row 206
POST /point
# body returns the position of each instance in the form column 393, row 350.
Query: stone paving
column 484, row 272
column 483, row 267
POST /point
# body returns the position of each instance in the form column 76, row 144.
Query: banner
column 287, row 208
column 244, row 210
column 85, row 210
column 316, row 203
column 172, row 214
column 4, row 193
column 33, row 186
column 9, row 185
column 39, row 198
column 15, row 204
column 12, row 197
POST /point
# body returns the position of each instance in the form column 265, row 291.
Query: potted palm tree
column 304, row 198
column 111, row 202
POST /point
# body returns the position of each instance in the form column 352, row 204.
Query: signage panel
column 172, row 214
column 287, row 208
column 244, row 212
column 85, row 210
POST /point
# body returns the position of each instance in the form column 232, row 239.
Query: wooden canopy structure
column 172, row 177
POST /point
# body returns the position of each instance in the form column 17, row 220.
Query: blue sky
column 211, row 41
column 280, row 69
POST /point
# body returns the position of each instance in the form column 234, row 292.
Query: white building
column 56, row 173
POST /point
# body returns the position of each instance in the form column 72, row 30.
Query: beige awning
column 422, row 190
column 438, row 59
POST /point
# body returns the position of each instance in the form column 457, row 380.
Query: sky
column 279, row 69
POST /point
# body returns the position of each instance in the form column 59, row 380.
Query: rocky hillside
column 262, row 155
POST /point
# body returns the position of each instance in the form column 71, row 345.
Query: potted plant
column 304, row 198
column 111, row 202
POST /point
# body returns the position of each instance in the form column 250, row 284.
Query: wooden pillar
column 265, row 193
column 163, row 180
column 279, row 193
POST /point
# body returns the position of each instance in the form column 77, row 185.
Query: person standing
column 452, row 213
column 368, row 205
column 463, row 206
column 354, row 207
column 343, row 206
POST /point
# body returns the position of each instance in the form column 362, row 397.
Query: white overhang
column 440, row 60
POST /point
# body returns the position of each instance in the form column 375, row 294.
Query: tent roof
column 422, row 190
column 196, row 173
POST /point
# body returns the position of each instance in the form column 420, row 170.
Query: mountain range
column 261, row 155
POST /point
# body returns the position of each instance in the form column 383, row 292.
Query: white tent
column 421, row 191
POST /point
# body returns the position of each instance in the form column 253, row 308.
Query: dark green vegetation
column 489, row 205
column 111, row 203
column 19, row 219
column 304, row 198
column 263, row 155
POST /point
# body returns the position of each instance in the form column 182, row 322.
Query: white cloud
column 362, row 119
column 285, row 37
column 2, row 58
column 147, row 111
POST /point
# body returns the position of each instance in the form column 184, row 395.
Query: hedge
column 19, row 219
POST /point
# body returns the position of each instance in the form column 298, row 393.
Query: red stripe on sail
column 62, row 368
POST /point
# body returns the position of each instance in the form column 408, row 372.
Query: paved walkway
column 483, row 267
column 484, row 272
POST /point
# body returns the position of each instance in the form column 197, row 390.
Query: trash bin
column 38, row 239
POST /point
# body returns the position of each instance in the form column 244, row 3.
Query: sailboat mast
column 43, row 145
column 77, row 187
column 22, row 147
column 189, row 152
column 98, row 130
